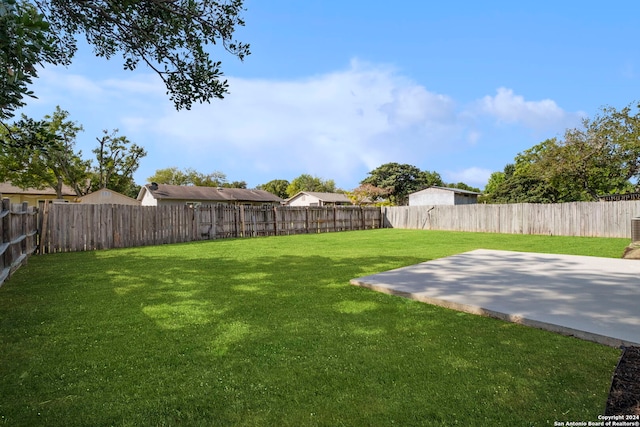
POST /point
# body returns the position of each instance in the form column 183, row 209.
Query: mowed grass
column 268, row 332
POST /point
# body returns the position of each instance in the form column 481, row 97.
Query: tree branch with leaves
column 171, row 37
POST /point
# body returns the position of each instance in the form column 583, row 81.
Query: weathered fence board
column 589, row 219
column 76, row 227
column 18, row 236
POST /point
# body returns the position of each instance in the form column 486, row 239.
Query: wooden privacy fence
column 77, row 227
column 592, row 219
column 18, row 234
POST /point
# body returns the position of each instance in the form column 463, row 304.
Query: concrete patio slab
column 597, row 299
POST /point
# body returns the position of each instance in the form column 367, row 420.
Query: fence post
column 306, row 219
column 24, row 208
column 214, row 217
column 5, row 240
column 242, row 229
column 275, row 220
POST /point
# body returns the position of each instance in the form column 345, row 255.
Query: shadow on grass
column 195, row 335
column 275, row 290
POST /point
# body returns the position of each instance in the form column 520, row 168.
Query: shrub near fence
column 589, row 219
column 18, row 234
column 78, row 227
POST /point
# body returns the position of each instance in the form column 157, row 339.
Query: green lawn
column 268, row 332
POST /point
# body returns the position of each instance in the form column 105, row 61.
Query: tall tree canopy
column 462, row 186
column 400, row 180
column 189, row 176
column 117, row 160
column 170, row 37
column 518, row 185
column 306, row 182
column 51, row 162
column 277, row 187
column 602, row 157
column 25, row 42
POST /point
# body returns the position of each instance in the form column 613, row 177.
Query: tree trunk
column 59, row 188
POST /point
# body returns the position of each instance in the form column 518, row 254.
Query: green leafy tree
column 171, row 176
column 117, row 160
column 51, row 162
column 26, row 41
column 367, row 194
column 518, row 185
column 235, row 184
column 306, row 182
column 495, row 180
column 400, row 180
column 170, row 37
column 277, row 187
column 189, row 176
column 493, row 184
column 602, row 157
column 463, row 186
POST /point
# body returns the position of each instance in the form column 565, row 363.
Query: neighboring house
column 105, row 196
column 311, row 198
column 162, row 194
column 33, row 195
column 443, row 196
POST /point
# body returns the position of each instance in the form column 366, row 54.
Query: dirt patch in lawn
column 624, row 396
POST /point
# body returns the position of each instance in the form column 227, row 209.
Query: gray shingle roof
column 214, row 194
column 8, row 188
column 455, row 190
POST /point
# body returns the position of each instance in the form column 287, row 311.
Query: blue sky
column 337, row 88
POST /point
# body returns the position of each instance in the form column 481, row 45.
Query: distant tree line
column 390, row 183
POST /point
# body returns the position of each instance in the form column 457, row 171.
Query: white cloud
column 333, row 125
column 474, row 176
column 538, row 115
column 337, row 125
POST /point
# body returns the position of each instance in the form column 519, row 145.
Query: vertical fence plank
column 597, row 219
column 68, row 227
column 18, row 236
column 76, row 227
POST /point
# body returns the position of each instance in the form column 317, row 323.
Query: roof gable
column 106, row 195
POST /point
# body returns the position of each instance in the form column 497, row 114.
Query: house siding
column 107, row 197
column 32, row 196
column 319, row 199
column 431, row 196
column 438, row 196
column 148, row 199
column 305, row 200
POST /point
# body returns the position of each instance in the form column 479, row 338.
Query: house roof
column 8, row 188
column 455, row 190
column 325, row 197
column 213, row 194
